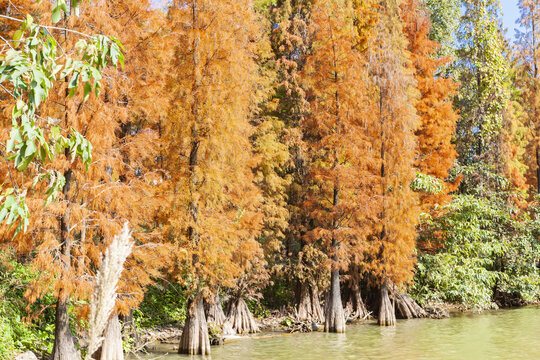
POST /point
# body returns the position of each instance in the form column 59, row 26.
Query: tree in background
column 444, row 16
column 527, row 80
column 484, row 93
column 436, row 152
column 65, row 239
column 213, row 201
column 291, row 42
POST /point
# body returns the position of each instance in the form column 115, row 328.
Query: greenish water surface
column 505, row 334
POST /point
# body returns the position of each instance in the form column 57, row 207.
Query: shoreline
column 271, row 326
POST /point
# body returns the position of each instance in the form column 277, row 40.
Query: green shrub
column 487, row 244
column 16, row 333
column 163, row 304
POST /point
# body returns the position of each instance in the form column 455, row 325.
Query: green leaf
column 87, row 90
column 56, row 15
column 30, row 149
column 17, row 36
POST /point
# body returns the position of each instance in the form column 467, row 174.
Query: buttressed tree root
column 195, row 339
column 240, row 317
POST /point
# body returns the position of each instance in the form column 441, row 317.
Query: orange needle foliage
column 436, row 153
column 393, row 121
column 65, row 240
column 214, row 211
column 339, row 152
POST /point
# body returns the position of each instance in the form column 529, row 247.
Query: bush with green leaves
column 163, row 304
column 18, row 332
column 488, row 245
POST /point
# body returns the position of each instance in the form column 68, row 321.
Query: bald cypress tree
column 338, row 150
column 214, row 202
column 393, row 140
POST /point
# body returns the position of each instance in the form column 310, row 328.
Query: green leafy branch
column 29, row 69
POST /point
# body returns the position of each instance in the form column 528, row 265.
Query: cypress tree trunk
column 240, row 317
column 309, row 306
column 195, row 340
column 214, row 311
column 64, row 343
column 215, row 315
column 334, row 317
column 354, row 306
column 387, row 316
column 406, row 307
column 129, row 330
column 111, row 348
column 538, row 169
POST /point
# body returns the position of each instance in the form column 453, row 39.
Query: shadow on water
column 505, row 334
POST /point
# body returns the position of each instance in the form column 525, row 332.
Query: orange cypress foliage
column 214, row 203
column 527, row 79
column 436, row 153
column 339, row 151
column 393, row 123
column 66, row 238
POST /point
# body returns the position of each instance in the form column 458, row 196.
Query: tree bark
column 309, row 306
column 111, row 347
column 195, row 340
column 387, row 316
column 354, row 305
column 64, row 343
column 129, row 331
column 240, row 317
column 214, row 311
column 335, row 316
column 406, row 307
column 215, row 315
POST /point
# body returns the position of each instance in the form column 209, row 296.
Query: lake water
column 505, row 334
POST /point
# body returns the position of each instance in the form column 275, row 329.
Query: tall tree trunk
column 538, row 168
column 334, row 317
column 387, row 315
column 309, row 305
column 64, row 343
column 240, row 317
column 111, row 347
column 195, row 340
